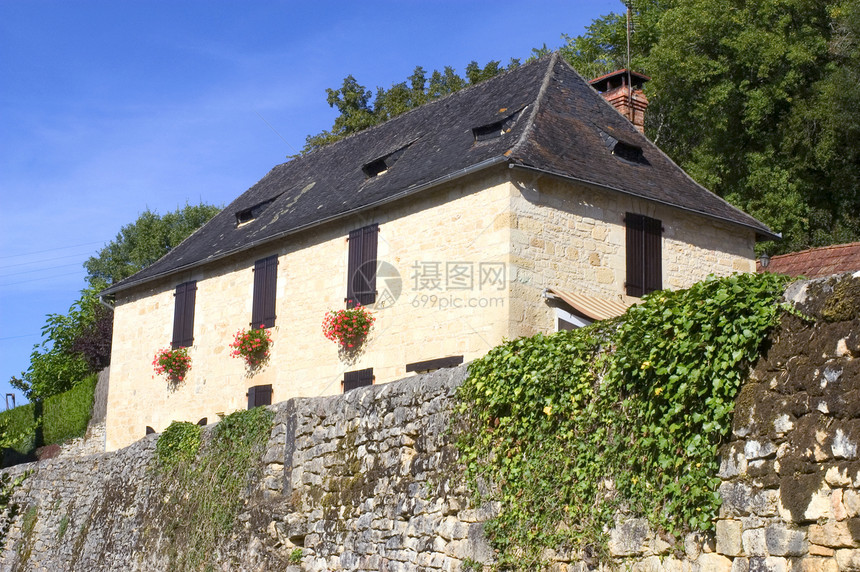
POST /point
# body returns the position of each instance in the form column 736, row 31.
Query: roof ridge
column 429, row 103
column 814, row 248
column 550, row 68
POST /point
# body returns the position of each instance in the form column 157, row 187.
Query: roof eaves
column 486, row 164
column 763, row 231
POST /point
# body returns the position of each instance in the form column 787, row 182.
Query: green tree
column 359, row 108
column 54, row 365
column 758, row 101
column 144, row 241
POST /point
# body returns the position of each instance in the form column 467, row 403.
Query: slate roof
column 557, row 124
column 816, row 262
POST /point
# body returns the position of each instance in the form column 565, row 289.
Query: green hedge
column 21, row 420
column 66, row 415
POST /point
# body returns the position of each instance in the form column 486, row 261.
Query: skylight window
column 247, row 215
column 496, row 129
column 623, row 150
column 381, row 165
column 628, row 152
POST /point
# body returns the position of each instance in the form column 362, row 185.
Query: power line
column 39, row 279
column 38, row 270
column 44, row 260
column 51, row 250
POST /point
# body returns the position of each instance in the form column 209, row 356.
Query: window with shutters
column 183, row 315
column 259, row 395
column 361, row 270
column 356, row 379
column 644, row 255
column 265, row 282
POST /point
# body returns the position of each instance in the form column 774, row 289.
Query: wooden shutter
column 265, row 284
column 652, row 240
column 361, row 270
column 183, row 315
column 644, row 255
column 259, row 395
column 635, row 284
column 356, row 379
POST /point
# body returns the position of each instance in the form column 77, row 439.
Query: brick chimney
column 616, row 87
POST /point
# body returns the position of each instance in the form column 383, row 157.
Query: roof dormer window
column 247, row 215
column 623, row 150
column 496, row 129
column 381, row 165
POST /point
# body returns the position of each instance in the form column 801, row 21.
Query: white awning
column 594, row 307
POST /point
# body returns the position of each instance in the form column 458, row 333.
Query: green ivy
column 202, row 486
column 622, row 417
column 178, row 444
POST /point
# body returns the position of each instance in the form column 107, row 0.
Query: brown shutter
column 183, row 315
column 265, row 285
column 356, row 379
column 361, row 270
column 635, row 284
column 644, row 255
column 653, row 254
column 259, row 395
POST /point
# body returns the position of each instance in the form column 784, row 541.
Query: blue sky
column 109, row 108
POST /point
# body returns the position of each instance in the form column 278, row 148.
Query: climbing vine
column 569, row 431
column 203, row 486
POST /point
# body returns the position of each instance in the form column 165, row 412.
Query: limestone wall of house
column 437, row 244
column 573, row 237
column 463, row 267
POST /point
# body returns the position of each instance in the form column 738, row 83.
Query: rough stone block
column 754, row 542
column 816, row 550
column 848, row 560
column 729, row 541
column 714, row 563
column 627, row 538
column 836, row 534
column 782, row 541
column 851, row 500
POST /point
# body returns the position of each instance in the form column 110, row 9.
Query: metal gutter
column 487, row 163
column 768, row 234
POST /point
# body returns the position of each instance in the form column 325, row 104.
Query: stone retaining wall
column 369, row 480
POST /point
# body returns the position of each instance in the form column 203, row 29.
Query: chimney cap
column 618, row 78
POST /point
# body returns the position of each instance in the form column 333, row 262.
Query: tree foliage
column 144, row 241
column 758, row 101
column 359, row 108
column 78, row 343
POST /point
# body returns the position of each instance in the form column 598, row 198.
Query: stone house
column 523, row 204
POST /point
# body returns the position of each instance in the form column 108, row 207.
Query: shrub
column 66, row 415
column 19, row 424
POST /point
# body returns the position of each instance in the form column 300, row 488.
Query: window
column 265, row 281
column 356, row 379
column 382, row 164
column 250, row 214
column 361, row 271
column 259, row 395
column 497, row 128
column 183, row 315
column 644, row 255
